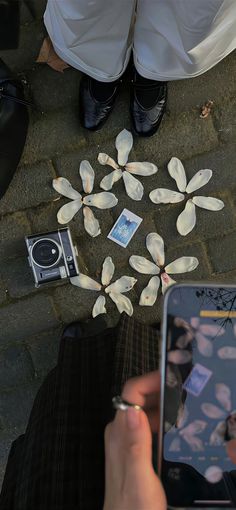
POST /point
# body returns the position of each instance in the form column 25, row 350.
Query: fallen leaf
column 206, row 109
column 47, row 55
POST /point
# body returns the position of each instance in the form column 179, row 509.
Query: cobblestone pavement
column 31, row 320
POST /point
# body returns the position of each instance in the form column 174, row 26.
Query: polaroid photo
column 197, row 380
column 124, row 228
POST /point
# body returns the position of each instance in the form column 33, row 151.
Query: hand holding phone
column 197, row 447
column 131, row 482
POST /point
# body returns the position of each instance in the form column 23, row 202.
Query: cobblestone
column 3, row 293
column 13, row 228
column 43, row 349
column 192, row 94
column 51, row 90
column 222, row 253
column 17, row 277
column 74, row 303
column 16, row 367
column 50, row 135
column 31, row 186
column 225, row 121
column 221, row 161
column 25, row 318
column 194, row 137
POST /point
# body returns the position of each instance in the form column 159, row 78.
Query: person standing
column 169, row 39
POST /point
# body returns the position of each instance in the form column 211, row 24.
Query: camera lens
column 46, row 253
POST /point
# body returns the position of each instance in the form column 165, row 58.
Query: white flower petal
column 124, row 144
column 134, row 188
column 123, row 284
column 99, row 306
column 67, row 211
column 91, row 224
column 182, row 265
column 108, row 269
column 167, row 281
column 85, row 282
column 187, row 219
column 103, row 200
column 108, row 181
column 87, row 175
column 122, row 302
column 63, row 186
column 104, row 159
column 176, row 170
column 165, row 196
column 198, row 180
column 210, row 203
column 149, row 294
column 142, row 168
column 155, row 246
column 143, row 265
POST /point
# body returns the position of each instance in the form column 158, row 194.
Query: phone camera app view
column 199, row 442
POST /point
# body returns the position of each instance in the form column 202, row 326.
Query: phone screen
column 198, row 449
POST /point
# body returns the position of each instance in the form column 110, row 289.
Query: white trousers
column 170, row 39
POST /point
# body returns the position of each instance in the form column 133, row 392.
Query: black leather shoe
column 94, row 111
column 13, row 125
column 148, row 104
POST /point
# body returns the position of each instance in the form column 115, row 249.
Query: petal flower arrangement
column 134, row 188
column 187, row 219
column 115, row 290
column 155, row 246
column 102, row 200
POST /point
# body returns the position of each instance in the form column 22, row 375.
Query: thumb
column 138, row 437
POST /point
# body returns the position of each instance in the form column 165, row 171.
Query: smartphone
column 197, row 435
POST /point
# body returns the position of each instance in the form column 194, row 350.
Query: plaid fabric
column 59, row 462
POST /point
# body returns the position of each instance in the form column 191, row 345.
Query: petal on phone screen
column 196, row 427
column 211, row 330
column 179, row 357
column 205, row 346
column 195, row 443
column 175, row 445
column 227, row 352
column 223, row 395
column 213, row 474
column 171, row 379
column 212, row 411
column 182, row 416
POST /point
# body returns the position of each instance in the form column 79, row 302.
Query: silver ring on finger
column 120, row 404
